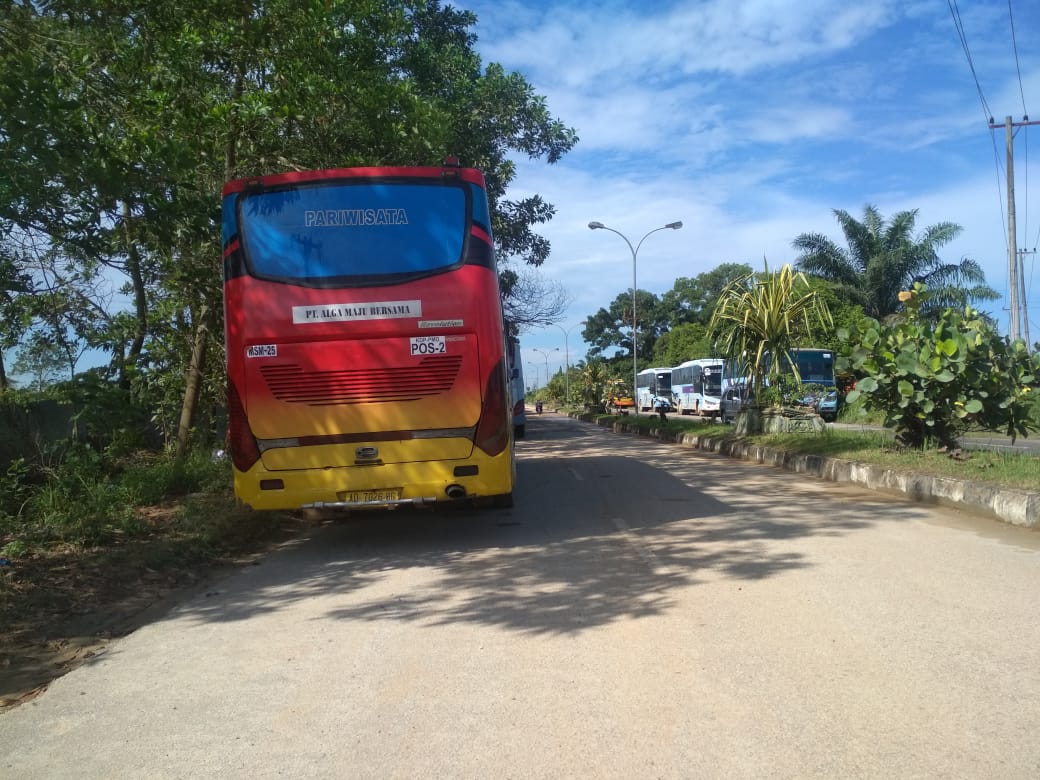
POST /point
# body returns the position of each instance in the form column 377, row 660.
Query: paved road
column 644, row 611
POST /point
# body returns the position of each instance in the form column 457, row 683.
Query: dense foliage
column 936, row 378
column 120, row 121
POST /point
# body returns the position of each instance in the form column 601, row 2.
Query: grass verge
column 1003, row 468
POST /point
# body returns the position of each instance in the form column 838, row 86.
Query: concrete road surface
column 644, row 611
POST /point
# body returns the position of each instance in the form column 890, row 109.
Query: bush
column 79, row 496
column 934, row 380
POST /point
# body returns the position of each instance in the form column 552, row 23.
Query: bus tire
column 519, row 431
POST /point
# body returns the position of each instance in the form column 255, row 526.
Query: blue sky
column 751, row 120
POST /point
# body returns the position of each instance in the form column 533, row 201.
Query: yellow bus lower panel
column 360, row 486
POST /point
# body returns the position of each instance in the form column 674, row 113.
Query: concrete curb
column 1018, row 507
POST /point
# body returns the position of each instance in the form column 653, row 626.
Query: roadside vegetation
column 868, row 445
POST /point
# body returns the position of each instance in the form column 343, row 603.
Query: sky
column 751, row 121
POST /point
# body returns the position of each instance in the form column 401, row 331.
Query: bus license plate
column 361, row 496
column 427, row 345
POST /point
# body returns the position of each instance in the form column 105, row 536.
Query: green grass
column 84, row 499
column 869, row 446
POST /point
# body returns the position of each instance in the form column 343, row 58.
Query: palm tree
column 766, row 314
column 884, row 258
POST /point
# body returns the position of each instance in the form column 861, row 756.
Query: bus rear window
column 353, row 230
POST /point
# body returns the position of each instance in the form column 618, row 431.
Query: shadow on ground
column 593, row 539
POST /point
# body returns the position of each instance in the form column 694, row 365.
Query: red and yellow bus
column 366, row 351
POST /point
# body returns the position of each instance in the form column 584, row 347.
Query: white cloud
column 751, row 120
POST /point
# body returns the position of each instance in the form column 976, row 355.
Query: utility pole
column 1025, row 307
column 1016, row 281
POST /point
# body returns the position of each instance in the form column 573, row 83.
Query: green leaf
column 867, row 385
column 905, row 388
column 974, row 406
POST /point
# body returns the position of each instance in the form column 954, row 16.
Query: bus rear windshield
column 326, row 231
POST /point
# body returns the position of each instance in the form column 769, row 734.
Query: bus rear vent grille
column 430, row 376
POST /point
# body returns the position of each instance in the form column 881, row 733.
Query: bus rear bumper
column 389, row 485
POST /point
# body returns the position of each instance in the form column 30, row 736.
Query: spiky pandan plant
column 765, row 314
column 594, row 378
column 936, row 378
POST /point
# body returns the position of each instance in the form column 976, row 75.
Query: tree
column 612, row 327
column 936, row 378
column 595, row 375
column 120, row 121
column 693, row 300
column 530, row 299
column 885, row 257
column 761, row 317
column 683, row 342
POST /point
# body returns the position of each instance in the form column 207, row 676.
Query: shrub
column 935, row 379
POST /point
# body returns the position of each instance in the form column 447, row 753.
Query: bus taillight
column 493, row 427
column 244, row 450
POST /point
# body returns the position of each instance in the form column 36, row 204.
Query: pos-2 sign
column 428, row 345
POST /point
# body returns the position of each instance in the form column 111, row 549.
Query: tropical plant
column 936, row 379
column 886, row 256
column 763, row 315
column 594, row 379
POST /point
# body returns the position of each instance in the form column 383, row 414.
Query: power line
column 956, row 13
column 986, row 113
column 1014, row 44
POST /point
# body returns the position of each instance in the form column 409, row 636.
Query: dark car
column 824, row 403
column 827, row 406
column 732, row 401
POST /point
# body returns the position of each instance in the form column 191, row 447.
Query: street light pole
column 635, row 252
column 566, row 359
column 546, row 356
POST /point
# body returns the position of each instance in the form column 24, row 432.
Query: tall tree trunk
column 133, row 268
column 4, row 384
column 193, row 383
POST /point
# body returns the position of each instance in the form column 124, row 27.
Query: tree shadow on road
column 565, row 559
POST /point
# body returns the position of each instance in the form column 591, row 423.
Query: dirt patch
column 63, row 606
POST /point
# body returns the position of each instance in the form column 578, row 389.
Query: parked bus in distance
column 516, row 389
column 697, row 386
column 814, row 366
column 366, row 349
column 653, row 384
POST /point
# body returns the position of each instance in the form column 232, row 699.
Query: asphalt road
column 643, row 611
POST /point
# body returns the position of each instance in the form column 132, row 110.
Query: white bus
column 697, row 386
column 516, row 389
column 654, row 385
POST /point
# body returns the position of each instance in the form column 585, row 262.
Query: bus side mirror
column 514, row 374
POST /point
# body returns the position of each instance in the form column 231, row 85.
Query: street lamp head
column 596, row 226
column 674, row 225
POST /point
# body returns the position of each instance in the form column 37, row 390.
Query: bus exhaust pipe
column 455, row 491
